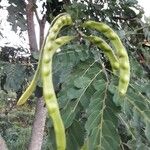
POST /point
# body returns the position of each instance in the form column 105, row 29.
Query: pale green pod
column 107, row 51
column 57, row 17
column 24, row 97
column 120, row 52
column 60, row 19
column 46, row 71
column 49, row 93
column 57, row 25
column 45, row 65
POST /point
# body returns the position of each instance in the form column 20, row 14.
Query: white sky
column 146, row 5
column 12, row 39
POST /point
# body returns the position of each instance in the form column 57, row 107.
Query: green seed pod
column 45, row 66
column 47, row 59
column 57, row 17
column 55, row 28
column 24, row 97
column 45, row 69
column 121, row 52
column 52, row 36
column 48, row 90
column 107, row 51
column 57, row 23
column 53, row 107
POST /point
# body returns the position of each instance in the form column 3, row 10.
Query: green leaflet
column 74, row 139
column 136, row 107
column 101, row 124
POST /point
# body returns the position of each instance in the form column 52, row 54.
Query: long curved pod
column 107, row 50
column 48, row 89
column 59, row 22
column 120, row 52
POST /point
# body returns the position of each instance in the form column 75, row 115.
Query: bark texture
column 38, row 126
column 30, row 7
column 42, row 27
column 3, row 145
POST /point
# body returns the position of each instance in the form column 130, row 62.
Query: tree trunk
column 40, row 113
column 3, row 145
column 38, row 126
column 42, row 27
column 30, row 7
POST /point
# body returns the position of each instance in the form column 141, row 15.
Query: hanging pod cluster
column 118, row 59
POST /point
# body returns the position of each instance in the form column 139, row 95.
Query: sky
column 18, row 42
column 146, row 5
column 6, row 31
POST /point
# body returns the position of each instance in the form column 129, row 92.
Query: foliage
column 16, row 16
column 93, row 114
column 15, row 123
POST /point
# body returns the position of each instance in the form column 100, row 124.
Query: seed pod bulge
column 105, row 29
column 107, row 51
column 59, row 23
column 124, row 65
column 46, row 59
column 122, row 53
column 113, row 36
column 122, row 91
column 116, row 65
column 45, row 70
column 48, row 46
column 58, row 41
column 55, row 28
column 69, row 20
column 52, row 36
column 64, row 20
column 53, row 107
column 48, row 95
column 124, row 78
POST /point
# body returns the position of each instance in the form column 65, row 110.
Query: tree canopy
column 94, row 116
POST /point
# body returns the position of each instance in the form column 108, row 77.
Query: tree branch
column 30, row 25
column 38, row 126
